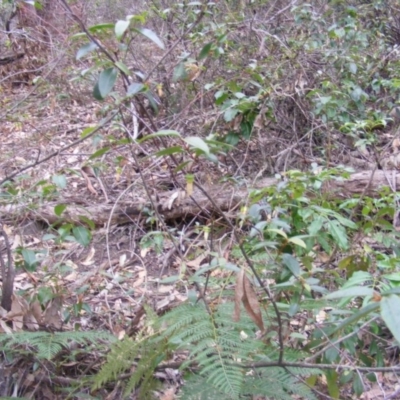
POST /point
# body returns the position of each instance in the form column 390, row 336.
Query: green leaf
column 298, row 242
column 134, row 88
column 105, row 83
column 152, row 36
column 82, row 235
column 30, row 260
column 101, row 27
column 60, row 181
column 120, row 27
column 197, row 143
column 338, row 233
column 59, row 209
column 179, row 73
column 87, row 48
column 205, row 50
column 292, row 264
column 99, row 153
column 355, row 291
column 122, row 67
column 160, row 134
column 87, row 221
column 87, row 131
column 331, row 379
column 358, row 386
column 390, row 312
column 230, row 114
column 169, row 150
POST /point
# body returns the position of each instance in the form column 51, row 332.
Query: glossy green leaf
column 59, row 209
column 87, row 131
column 122, row 67
column 60, row 181
column 105, row 83
column 30, row 259
column 152, row 36
column 358, row 385
column 135, row 88
column 120, row 28
column 338, row 233
column 297, row 241
column 86, row 49
column 101, row 27
column 89, row 222
column 390, row 312
column 332, row 379
column 355, row 291
column 161, row 133
column 82, row 235
column 197, row 143
column 205, row 51
column 291, row 263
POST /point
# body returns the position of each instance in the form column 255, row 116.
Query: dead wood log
column 172, row 205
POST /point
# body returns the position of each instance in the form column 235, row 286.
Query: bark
column 176, row 204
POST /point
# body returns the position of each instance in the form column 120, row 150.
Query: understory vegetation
column 199, row 199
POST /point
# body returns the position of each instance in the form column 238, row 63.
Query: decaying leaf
column 244, row 293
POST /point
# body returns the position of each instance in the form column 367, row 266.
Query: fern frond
column 46, row 344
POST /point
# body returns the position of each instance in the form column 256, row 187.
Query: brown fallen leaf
column 245, row 293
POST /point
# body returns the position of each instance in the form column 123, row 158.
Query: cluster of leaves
column 297, row 253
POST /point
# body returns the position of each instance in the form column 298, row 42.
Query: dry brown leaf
column 19, row 307
column 52, row 315
column 239, row 292
column 245, row 293
column 251, row 304
column 168, row 394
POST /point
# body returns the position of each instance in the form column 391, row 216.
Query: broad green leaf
column 355, row 291
column 338, row 233
column 230, row 114
column 179, row 73
column 60, row 181
column 353, row 68
column 105, row 83
column 362, row 313
column 292, row 264
column 197, row 143
column 59, row 209
column 82, row 235
column 278, row 231
column 120, row 27
column 298, row 242
column 134, row 88
column 346, row 222
column 87, row 48
column 122, row 67
column 30, row 260
column 393, row 277
column 332, row 379
column 358, row 386
column 87, row 221
column 390, row 312
column 205, row 50
column 160, row 134
column 315, row 226
column 152, row 36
